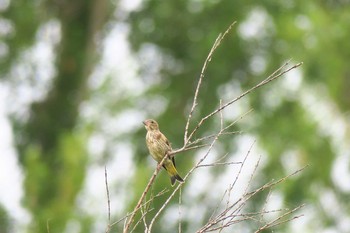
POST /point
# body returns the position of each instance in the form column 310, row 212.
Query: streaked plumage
column 158, row 145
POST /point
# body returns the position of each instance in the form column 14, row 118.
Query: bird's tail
column 174, row 178
column 174, row 175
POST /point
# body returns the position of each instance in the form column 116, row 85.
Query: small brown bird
column 158, row 146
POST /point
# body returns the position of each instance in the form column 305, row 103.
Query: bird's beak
column 144, row 122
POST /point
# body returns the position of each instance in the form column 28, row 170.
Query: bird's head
column 151, row 125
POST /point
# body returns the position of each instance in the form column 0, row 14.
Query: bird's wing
column 173, row 160
column 161, row 137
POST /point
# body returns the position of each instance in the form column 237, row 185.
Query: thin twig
column 138, row 205
column 276, row 221
column 252, row 174
column 231, row 212
column 144, row 204
column 180, row 202
column 221, row 117
column 265, row 204
column 218, row 164
column 207, row 60
column 276, row 74
column 243, row 163
column 141, row 219
column 210, row 137
column 190, row 148
column 108, row 203
column 222, row 132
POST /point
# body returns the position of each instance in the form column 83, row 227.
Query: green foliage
column 51, row 151
column 24, row 18
column 4, row 221
column 51, row 190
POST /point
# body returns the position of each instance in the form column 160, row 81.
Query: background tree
column 51, row 151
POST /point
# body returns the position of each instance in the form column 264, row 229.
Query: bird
column 158, row 146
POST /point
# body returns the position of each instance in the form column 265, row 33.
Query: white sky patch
column 306, row 222
column 257, row 64
column 202, row 183
column 153, row 105
column 4, row 4
column 228, row 92
column 256, row 25
column 96, row 146
column 341, row 172
column 303, row 22
column 285, row 88
column 29, row 81
column 130, row 5
column 246, row 142
column 274, row 202
column 334, row 208
column 290, row 161
column 292, row 80
column 11, row 176
column 31, row 77
column 118, row 64
column 119, row 69
column 330, row 203
column 331, row 123
column 93, row 198
column 124, row 122
column 320, row 108
column 151, row 59
column 6, row 27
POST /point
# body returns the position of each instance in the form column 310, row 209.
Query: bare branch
column 221, row 117
column 276, row 74
column 252, row 175
column 207, row 138
column 230, row 215
column 138, row 205
column 143, row 218
column 207, row 60
column 180, row 201
column 277, row 221
column 218, row 164
column 222, row 132
column 241, row 167
column 233, row 211
column 108, row 203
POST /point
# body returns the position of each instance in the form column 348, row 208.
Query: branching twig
column 232, row 213
column 276, row 74
column 205, row 65
column 138, row 205
column 277, row 221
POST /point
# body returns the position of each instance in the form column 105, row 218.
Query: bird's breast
column 156, row 146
